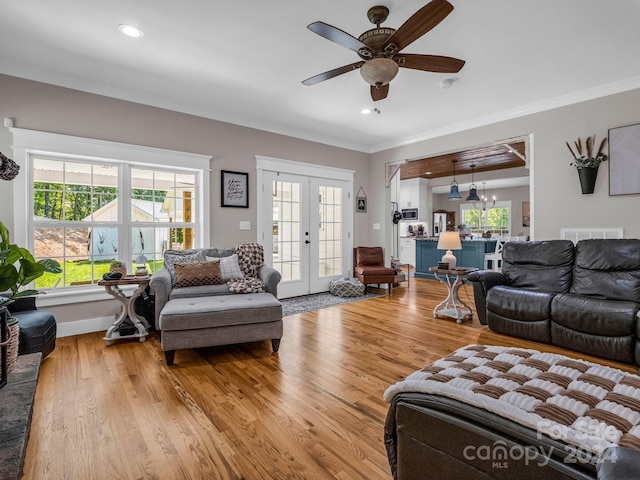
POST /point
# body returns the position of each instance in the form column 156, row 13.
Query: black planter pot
column 588, row 177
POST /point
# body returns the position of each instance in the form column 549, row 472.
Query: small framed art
column 234, row 189
column 361, row 204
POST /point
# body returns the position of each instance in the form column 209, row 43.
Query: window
column 112, row 201
column 493, row 218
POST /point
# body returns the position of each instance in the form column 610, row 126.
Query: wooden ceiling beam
column 485, row 159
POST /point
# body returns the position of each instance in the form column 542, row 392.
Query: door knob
column 307, row 242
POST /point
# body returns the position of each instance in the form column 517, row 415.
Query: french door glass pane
column 329, row 231
column 286, row 229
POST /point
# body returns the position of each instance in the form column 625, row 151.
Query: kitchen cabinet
column 408, row 250
column 471, row 255
column 414, row 194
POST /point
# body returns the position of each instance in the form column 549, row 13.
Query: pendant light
column 454, row 194
column 473, row 190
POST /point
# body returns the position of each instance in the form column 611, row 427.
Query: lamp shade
column 454, row 194
column 473, row 194
column 449, row 241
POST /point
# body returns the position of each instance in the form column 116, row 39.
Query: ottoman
column 347, row 287
column 219, row 320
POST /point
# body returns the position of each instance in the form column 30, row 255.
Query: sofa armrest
column 618, row 463
column 161, row 285
column 483, row 281
column 270, row 277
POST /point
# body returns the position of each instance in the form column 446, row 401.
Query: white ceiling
column 242, row 61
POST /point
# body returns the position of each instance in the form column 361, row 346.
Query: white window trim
column 27, row 143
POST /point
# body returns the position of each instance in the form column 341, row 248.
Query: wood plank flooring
column 312, row 411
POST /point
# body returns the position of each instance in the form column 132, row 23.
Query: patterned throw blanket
column 584, row 404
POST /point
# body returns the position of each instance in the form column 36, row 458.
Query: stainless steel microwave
column 410, row 214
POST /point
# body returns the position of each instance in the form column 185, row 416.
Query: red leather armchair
column 368, row 267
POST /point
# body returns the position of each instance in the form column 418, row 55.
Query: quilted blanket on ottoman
column 581, row 403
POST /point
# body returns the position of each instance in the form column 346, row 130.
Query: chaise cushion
column 218, row 311
column 199, row 291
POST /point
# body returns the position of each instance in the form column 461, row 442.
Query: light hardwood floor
column 312, row 411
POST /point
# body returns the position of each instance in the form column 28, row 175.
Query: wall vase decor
column 587, row 177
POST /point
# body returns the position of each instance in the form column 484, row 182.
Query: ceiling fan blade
column 336, row 35
column 379, row 93
column 420, row 23
column 321, row 77
column 431, row 63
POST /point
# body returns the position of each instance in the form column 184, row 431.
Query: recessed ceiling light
column 365, row 111
column 131, row 30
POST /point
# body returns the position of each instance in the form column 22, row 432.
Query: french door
column 307, row 239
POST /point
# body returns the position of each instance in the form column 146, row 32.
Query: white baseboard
column 78, row 327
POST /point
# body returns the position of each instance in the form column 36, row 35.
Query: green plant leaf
column 29, row 271
column 4, row 237
column 8, row 277
column 25, row 293
column 50, row 265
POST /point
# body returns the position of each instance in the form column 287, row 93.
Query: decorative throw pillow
column 172, row 257
column 198, row 273
column 230, row 268
column 246, row 285
column 250, row 257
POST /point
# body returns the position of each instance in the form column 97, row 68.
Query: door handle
column 307, row 242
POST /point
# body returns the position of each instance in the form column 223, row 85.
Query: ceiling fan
column 380, row 47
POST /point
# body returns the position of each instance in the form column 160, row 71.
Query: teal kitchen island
column 471, row 255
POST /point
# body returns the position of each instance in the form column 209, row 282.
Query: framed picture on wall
column 361, row 204
column 235, row 189
column 624, row 160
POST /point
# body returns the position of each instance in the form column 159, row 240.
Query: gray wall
column 556, row 198
column 44, row 107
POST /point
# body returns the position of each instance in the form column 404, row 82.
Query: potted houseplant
column 18, row 268
column 587, row 161
column 118, row 267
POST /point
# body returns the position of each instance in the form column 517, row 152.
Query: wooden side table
column 112, row 287
column 452, row 306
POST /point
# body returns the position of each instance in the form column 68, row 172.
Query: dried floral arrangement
column 586, row 158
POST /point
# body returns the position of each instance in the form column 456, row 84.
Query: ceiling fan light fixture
column 379, row 71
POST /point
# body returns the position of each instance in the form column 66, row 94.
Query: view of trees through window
column 82, row 219
column 495, row 220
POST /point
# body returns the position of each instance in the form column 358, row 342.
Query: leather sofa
column 584, row 297
column 435, row 437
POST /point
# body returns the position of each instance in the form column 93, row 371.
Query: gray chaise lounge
column 210, row 315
